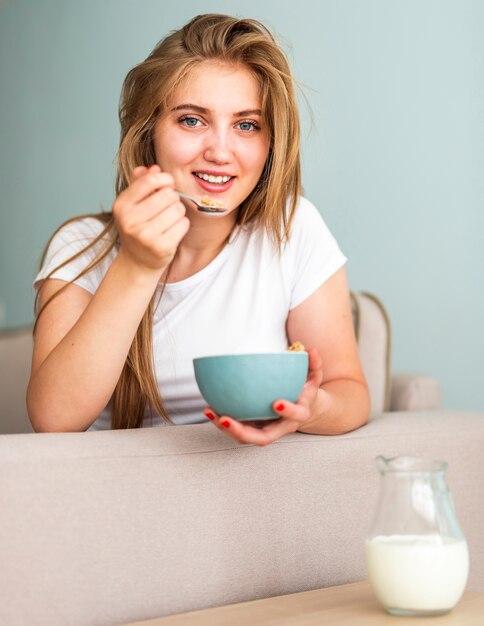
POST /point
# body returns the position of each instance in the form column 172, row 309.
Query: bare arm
column 80, row 347
column 324, row 322
column 82, row 340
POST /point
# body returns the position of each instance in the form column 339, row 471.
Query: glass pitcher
column 416, row 554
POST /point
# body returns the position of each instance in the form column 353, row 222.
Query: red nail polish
column 225, row 423
column 210, row 416
column 280, row 407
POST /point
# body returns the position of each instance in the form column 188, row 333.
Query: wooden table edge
column 329, row 605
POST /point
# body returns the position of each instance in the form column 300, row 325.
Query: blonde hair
column 272, row 203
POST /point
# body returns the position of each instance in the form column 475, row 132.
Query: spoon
column 207, row 208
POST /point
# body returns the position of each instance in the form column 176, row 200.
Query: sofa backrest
column 373, row 334
column 15, row 359
column 104, row 528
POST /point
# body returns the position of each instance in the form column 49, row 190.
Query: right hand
column 150, row 219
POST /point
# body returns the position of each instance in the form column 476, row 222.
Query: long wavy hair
column 272, row 203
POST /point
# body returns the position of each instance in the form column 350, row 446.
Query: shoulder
column 305, row 209
column 86, row 228
column 308, row 223
column 76, row 248
column 84, row 234
column 311, row 253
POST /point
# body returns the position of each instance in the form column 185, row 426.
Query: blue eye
column 189, row 121
column 247, row 126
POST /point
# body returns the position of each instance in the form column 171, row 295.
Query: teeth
column 213, row 179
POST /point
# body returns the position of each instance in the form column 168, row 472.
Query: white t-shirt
column 239, row 303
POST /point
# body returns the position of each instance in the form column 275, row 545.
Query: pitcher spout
column 410, row 465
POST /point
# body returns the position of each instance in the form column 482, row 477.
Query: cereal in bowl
column 297, row 346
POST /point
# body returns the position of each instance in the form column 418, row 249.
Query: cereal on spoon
column 206, row 201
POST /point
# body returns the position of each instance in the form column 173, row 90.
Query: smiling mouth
column 214, row 180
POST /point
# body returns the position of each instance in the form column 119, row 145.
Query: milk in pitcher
column 417, row 572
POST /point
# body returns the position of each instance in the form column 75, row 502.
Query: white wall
column 394, row 161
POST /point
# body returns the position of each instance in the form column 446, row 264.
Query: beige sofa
column 104, row 528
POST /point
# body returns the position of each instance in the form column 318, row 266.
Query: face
column 212, row 139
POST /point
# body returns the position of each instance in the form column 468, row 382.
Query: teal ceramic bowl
column 245, row 386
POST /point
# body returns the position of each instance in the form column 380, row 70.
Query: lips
column 212, row 185
column 213, row 178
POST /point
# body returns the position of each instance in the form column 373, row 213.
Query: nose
column 218, row 148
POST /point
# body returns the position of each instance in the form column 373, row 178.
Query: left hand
column 293, row 416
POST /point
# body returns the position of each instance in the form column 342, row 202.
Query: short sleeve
column 312, row 253
column 70, row 240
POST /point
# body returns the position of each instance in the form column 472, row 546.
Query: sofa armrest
column 415, row 392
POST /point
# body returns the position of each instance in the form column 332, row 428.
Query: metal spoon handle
column 201, row 207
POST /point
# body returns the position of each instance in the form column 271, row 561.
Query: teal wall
column 394, row 158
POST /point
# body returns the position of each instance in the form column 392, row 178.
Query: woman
column 127, row 299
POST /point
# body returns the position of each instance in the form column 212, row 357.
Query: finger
column 243, row 433
column 215, row 418
column 137, row 172
column 141, row 169
column 149, row 183
column 153, row 216
column 164, row 222
column 258, row 423
column 156, row 204
column 210, row 413
column 172, row 237
column 315, row 368
column 264, row 433
column 297, row 412
column 162, row 238
column 144, row 185
column 279, row 428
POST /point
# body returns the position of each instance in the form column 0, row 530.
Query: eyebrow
column 199, row 109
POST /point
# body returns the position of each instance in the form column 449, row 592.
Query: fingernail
column 210, row 416
column 280, row 407
column 225, row 423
